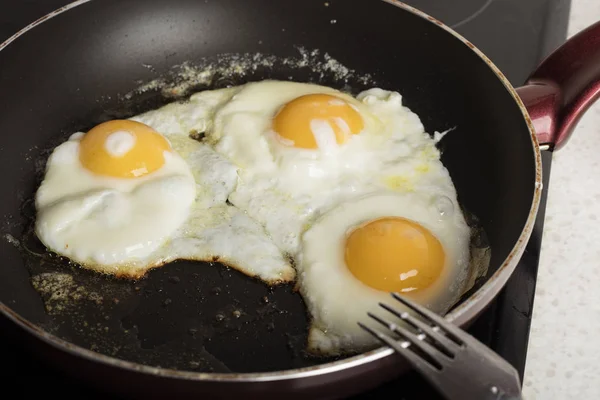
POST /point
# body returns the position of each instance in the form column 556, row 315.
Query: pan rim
column 461, row 315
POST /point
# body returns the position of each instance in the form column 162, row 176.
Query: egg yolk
column 310, row 120
column 122, row 149
column 394, row 255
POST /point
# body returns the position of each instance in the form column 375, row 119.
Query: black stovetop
column 515, row 34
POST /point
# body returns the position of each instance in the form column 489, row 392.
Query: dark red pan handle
column 563, row 87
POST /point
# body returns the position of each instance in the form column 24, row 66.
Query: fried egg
column 414, row 244
column 301, row 149
column 113, row 195
column 108, row 203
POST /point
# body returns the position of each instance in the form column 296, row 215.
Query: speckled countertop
column 563, row 361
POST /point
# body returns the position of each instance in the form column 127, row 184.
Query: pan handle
column 563, row 87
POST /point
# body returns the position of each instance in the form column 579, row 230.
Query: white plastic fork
column 453, row 361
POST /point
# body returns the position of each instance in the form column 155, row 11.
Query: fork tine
column 435, row 357
column 447, row 346
column 452, row 331
column 485, row 371
column 402, row 348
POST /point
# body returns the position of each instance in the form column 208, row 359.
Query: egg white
column 337, row 300
column 287, row 202
column 193, row 222
column 285, row 188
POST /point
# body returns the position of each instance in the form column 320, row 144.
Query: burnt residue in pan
column 186, row 315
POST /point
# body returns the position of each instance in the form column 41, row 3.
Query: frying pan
column 191, row 329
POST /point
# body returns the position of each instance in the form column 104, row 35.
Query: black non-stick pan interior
column 83, row 66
